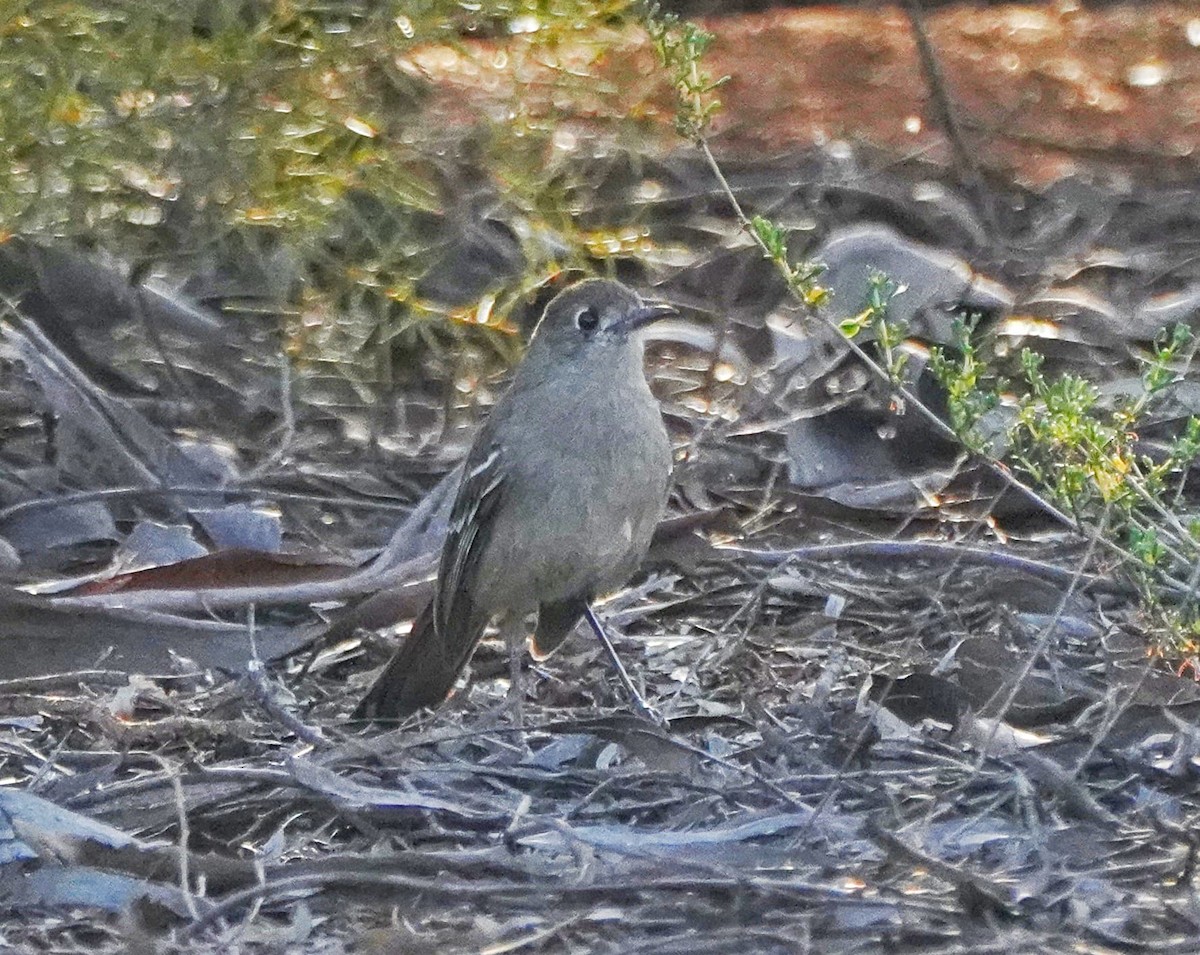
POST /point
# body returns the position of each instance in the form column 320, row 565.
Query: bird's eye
column 587, row 319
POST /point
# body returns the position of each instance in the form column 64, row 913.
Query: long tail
column 422, row 673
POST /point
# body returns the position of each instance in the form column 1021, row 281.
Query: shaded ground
column 1028, row 783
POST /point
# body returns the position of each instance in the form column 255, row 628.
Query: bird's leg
column 515, row 640
column 638, row 700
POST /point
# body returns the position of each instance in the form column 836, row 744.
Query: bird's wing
column 470, row 531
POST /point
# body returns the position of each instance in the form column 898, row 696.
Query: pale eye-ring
column 587, row 319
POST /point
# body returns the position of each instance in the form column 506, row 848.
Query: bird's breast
column 587, row 488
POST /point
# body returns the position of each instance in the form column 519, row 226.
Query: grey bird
column 559, row 497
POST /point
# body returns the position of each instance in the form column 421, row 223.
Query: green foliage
column 880, row 291
column 802, row 278
column 965, row 379
column 1083, row 449
column 160, row 131
column 680, row 46
column 120, row 115
column 889, row 335
column 771, row 237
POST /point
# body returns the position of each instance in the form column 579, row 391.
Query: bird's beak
column 647, row 314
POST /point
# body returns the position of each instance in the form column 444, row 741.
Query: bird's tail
column 422, row 673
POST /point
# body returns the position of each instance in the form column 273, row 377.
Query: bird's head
column 594, row 317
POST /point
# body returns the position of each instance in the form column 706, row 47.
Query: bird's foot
column 647, row 711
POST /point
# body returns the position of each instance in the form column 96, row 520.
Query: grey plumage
column 560, row 495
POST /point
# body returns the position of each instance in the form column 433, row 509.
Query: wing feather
column 467, row 540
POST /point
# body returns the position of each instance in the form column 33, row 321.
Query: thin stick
column 947, row 115
column 933, row 551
